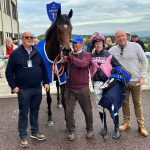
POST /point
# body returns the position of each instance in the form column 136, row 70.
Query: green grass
column 148, row 69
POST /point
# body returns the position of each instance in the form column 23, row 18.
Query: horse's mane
column 49, row 32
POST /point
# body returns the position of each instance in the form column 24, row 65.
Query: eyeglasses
column 121, row 51
column 28, row 37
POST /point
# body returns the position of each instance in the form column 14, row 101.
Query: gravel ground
column 56, row 135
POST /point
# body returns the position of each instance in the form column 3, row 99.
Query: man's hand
column 46, row 87
column 7, row 56
column 142, row 80
column 15, row 90
column 93, row 50
column 64, row 58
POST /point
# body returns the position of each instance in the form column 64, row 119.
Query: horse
column 57, row 41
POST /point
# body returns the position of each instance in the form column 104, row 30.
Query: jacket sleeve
column 80, row 63
column 10, row 69
column 143, row 60
column 44, row 71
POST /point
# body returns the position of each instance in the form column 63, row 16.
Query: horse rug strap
column 49, row 64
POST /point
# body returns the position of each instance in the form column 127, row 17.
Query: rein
column 54, row 66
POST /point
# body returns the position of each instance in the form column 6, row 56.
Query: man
column 128, row 36
column 7, row 48
column 77, row 87
column 132, row 57
column 15, row 41
column 25, row 72
column 36, row 41
column 135, row 38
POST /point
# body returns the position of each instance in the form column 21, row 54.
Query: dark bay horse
column 57, row 41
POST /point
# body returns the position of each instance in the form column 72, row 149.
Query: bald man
column 25, row 72
column 7, row 48
column 132, row 57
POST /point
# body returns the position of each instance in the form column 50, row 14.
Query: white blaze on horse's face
column 65, row 26
column 64, row 34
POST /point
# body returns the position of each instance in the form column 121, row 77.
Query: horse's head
column 58, row 35
column 64, row 28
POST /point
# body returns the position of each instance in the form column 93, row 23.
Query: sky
column 89, row 16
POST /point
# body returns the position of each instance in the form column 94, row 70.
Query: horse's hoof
column 59, row 106
column 66, row 130
column 104, row 134
column 50, row 123
column 116, row 135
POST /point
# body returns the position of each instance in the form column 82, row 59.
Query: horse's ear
column 70, row 13
column 58, row 13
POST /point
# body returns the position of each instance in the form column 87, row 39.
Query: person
column 36, row 41
column 7, row 48
column 132, row 57
column 103, row 63
column 89, row 44
column 135, row 38
column 109, row 43
column 25, row 72
column 15, row 41
column 84, row 44
column 77, row 87
column 128, row 34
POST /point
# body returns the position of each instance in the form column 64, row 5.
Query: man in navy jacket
column 25, row 73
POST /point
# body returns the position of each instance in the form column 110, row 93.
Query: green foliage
column 40, row 37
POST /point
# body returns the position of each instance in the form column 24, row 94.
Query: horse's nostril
column 66, row 51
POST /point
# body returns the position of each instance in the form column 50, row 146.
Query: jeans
column 29, row 100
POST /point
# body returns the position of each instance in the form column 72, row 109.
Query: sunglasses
column 121, row 51
column 28, row 37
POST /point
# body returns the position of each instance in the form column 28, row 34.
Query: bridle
column 60, row 71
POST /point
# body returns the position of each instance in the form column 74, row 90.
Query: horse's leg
column 58, row 95
column 62, row 88
column 116, row 133
column 104, row 129
column 49, row 101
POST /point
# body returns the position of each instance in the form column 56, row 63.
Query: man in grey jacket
column 132, row 57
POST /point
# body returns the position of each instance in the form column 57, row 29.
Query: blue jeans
column 29, row 100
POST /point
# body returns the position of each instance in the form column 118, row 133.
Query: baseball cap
column 77, row 38
column 134, row 35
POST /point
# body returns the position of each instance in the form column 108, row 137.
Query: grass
column 148, row 69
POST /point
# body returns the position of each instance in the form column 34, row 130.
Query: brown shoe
column 124, row 127
column 71, row 136
column 143, row 131
column 89, row 134
column 24, row 143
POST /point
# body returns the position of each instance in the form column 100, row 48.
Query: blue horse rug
column 113, row 96
column 49, row 63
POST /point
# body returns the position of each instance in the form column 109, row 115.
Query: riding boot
column 103, row 131
column 116, row 133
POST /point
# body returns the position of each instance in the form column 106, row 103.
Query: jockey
column 101, row 69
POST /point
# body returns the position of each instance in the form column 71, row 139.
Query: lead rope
column 54, row 66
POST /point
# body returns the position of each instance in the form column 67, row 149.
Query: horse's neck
column 52, row 48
